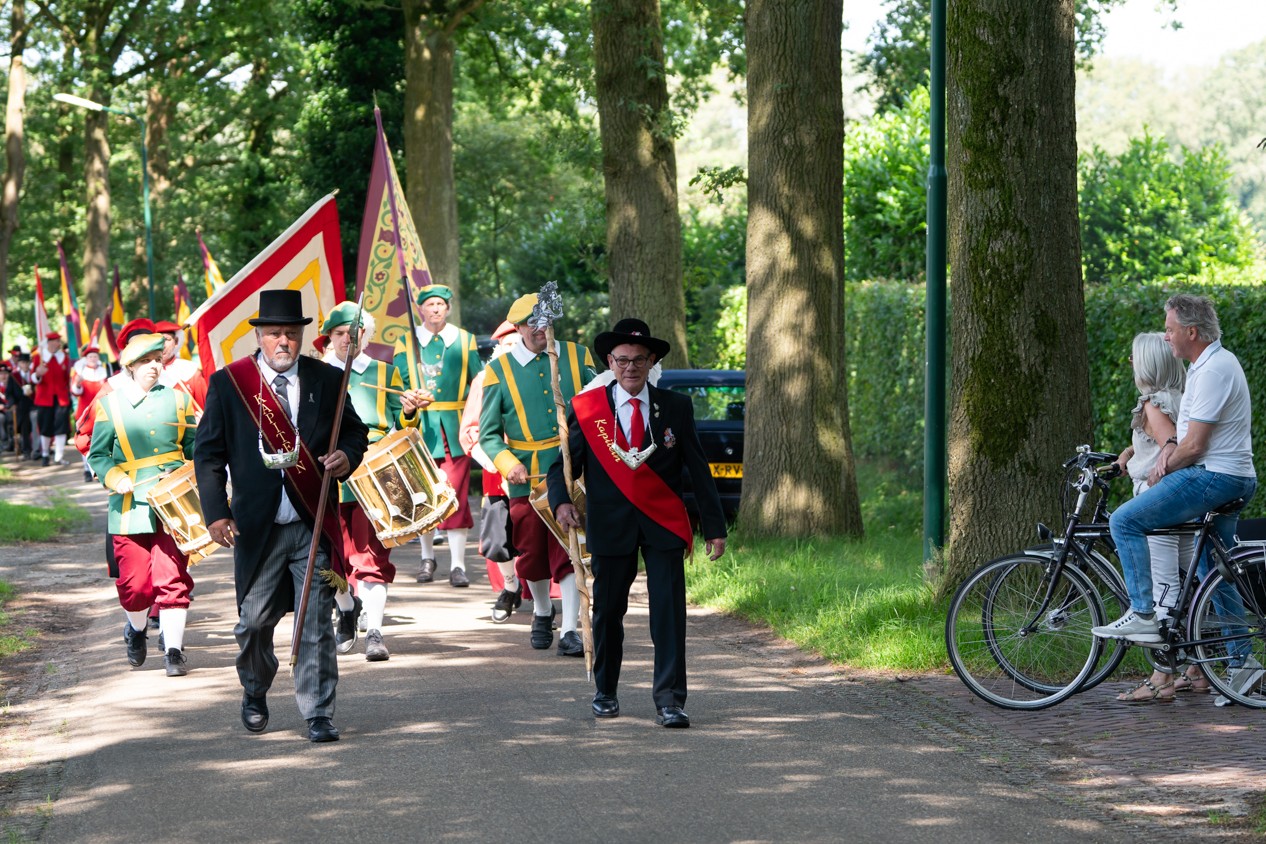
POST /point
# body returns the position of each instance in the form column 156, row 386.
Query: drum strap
column 446, row 405
column 644, row 489
column 303, row 480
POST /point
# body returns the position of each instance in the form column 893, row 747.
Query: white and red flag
column 306, row 258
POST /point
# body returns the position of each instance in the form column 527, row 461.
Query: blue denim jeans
column 1179, row 497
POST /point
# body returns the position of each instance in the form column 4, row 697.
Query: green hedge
column 885, row 324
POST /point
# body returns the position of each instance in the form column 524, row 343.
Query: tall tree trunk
column 799, row 478
column 639, row 169
column 428, row 136
column 1021, row 396
column 14, row 151
column 96, row 284
column 158, row 108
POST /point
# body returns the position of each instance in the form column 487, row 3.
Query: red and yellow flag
column 211, row 274
column 183, row 312
column 76, row 328
column 390, row 265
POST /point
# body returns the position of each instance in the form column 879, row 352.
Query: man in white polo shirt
column 1209, row 463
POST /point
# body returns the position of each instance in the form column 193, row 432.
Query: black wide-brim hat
column 629, row 330
column 280, row 307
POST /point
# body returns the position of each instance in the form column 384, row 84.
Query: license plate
column 726, row 470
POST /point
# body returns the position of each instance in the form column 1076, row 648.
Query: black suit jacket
column 612, row 521
column 228, row 437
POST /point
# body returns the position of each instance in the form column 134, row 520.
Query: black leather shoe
column 543, row 630
column 45, row 460
column 605, row 706
column 672, row 716
column 254, row 713
column 457, row 577
column 320, row 729
column 345, row 628
column 507, row 603
column 137, row 644
column 427, row 573
column 570, row 644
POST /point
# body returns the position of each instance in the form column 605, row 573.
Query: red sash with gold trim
column 644, row 489
column 303, row 480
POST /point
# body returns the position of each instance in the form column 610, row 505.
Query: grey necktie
column 282, row 385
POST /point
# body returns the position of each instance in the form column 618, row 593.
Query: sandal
column 1155, row 697
column 1186, row 683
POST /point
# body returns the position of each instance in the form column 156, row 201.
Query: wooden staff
column 352, row 351
column 573, row 541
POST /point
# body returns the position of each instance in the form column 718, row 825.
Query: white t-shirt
column 1217, row 393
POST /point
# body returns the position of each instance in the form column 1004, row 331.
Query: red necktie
column 636, row 426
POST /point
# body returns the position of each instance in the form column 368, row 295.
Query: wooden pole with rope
column 549, row 308
column 352, row 351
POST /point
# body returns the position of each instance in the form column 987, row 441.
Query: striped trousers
column 275, row 592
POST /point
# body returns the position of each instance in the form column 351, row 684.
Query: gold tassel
column 335, row 580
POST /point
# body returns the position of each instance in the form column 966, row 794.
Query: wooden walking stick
column 352, row 351
column 549, row 307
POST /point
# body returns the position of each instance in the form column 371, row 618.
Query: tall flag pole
column 391, row 266
column 42, row 327
column 211, row 274
column 76, row 328
column 183, row 311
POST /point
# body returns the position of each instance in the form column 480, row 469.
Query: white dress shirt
column 624, row 411
column 286, row 512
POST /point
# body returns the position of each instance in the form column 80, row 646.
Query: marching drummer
column 142, row 430
column 518, row 428
column 443, row 359
column 383, row 404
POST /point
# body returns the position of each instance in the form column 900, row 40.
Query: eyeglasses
column 638, row 362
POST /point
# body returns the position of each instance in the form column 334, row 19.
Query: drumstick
column 383, row 389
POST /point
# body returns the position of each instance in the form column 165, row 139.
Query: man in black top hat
column 267, row 422
column 631, row 442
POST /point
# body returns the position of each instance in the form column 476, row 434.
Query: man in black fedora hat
column 267, row 422
column 631, row 441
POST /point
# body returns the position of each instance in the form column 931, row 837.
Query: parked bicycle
column 1018, row 629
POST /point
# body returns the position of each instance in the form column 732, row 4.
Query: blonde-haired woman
column 141, row 431
column 1160, row 379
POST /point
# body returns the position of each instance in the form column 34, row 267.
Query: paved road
column 469, row 734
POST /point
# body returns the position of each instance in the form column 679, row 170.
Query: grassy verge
column 6, row 475
column 26, row 523
column 14, row 636
column 862, row 602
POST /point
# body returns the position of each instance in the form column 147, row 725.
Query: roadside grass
column 14, row 637
column 863, row 602
column 6, row 475
column 27, row 523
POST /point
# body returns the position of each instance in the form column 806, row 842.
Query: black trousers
column 666, row 590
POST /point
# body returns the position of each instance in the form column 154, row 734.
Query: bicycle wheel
column 1233, row 610
column 1110, row 587
column 1013, row 647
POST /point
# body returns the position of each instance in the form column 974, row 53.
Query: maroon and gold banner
column 390, row 266
column 646, row 490
column 303, row 480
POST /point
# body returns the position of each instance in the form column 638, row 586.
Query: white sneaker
column 1242, row 679
column 1131, row 626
